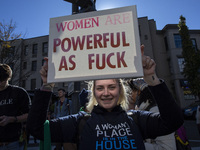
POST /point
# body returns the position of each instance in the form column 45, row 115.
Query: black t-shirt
column 14, row 101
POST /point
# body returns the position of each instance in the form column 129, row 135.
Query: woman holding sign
column 108, row 125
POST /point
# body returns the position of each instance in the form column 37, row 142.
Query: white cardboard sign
column 95, row 45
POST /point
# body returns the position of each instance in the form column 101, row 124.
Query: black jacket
column 108, row 130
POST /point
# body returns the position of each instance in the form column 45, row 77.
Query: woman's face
column 107, row 93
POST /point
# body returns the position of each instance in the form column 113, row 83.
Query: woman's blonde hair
column 122, row 97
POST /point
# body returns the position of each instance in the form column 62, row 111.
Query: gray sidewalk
column 35, row 146
column 192, row 134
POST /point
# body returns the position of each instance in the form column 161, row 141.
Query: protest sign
column 95, row 45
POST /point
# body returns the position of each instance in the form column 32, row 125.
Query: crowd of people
column 114, row 113
column 145, row 101
column 109, row 125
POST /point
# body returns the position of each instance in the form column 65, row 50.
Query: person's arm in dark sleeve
column 63, row 129
column 170, row 117
column 38, row 114
column 167, row 121
column 170, row 112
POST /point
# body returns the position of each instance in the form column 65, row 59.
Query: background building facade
column 164, row 46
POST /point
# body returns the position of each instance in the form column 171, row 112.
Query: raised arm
column 38, row 112
column 149, row 67
column 170, row 118
column 44, row 73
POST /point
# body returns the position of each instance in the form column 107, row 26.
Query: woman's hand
column 44, row 71
column 149, row 67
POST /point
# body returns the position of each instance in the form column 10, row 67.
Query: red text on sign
column 64, row 64
column 91, row 42
column 118, row 19
column 106, row 60
column 78, row 24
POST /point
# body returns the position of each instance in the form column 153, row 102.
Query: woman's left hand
column 149, row 67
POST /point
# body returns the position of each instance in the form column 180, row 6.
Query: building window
column 33, row 84
column 24, row 65
column 26, row 50
column 34, row 66
column 12, row 51
column 56, row 85
column 181, row 64
column 65, row 84
column 34, row 51
column 24, row 83
column 45, row 49
column 194, row 43
column 177, row 41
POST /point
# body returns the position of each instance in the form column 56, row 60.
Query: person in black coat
column 109, row 126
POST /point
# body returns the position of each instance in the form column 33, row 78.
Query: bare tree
column 11, row 45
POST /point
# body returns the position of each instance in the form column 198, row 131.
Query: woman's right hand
column 44, row 71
